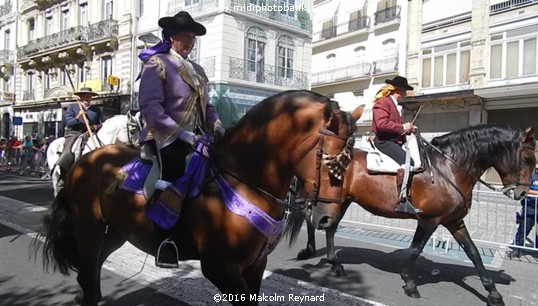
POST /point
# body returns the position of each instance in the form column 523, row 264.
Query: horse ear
column 357, row 113
column 528, row 135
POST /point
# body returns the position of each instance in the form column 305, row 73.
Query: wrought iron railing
column 448, row 21
column 387, row 65
column 343, row 73
column 262, row 11
column 7, row 56
column 7, row 97
column 267, row 74
column 6, row 8
column 97, row 31
column 508, row 5
column 191, row 6
column 208, row 63
column 28, row 95
column 343, row 28
column 387, row 14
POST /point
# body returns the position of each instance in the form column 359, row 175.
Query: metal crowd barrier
column 491, row 222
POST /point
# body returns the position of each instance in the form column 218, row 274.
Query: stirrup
column 406, row 207
column 167, row 255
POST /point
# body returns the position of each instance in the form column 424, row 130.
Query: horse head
column 324, row 169
column 516, row 173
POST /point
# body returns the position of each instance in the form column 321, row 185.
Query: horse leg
column 310, row 244
column 337, row 267
column 423, row 232
column 253, row 275
column 91, row 239
column 229, row 280
column 460, row 233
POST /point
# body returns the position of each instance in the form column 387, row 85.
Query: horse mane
column 478, row 144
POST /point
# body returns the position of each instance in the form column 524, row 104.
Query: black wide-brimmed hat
column 182, row 21
column 399, row 81
column 85, row 91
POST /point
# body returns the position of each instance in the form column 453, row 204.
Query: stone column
column 479, row 35
column 414, row 37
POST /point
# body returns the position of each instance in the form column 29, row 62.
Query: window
column 31, row 29
column 259, row 2
column 64, row 25
column 285, row 50
column 194, row 56
column 446, row 65
column 191, row 2
column 360, row 54
column 108, row 9
column 284, row 4
column 46, row 81
column 331, row 60
column 81, row 73
column 64, row 78
column 256, row 40
column 513, row 53
column 7, row 40
column 83, row 14
column 106, row 70
column 356, row 21
column 141, row 8
column 48, row 24
column 328, row 29
column 29, row 86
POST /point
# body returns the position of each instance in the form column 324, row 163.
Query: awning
column 326, row 11
column 462, row 98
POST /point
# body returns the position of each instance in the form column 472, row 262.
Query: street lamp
column 149, row 39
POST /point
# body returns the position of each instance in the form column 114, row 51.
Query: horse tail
column 293, row 226
column 60, row 249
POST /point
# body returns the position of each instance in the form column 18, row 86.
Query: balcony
column 43, row 4
column 300, row 20
column 348, row 73
column 28, row 95
column 7, row 98
column 208, row 63
column 385, row 66
column 73, row 36
column 361, row 24
column 387, row 15
column 191, row 6
column 268, row 74
column 5, row 8
column 7, row 57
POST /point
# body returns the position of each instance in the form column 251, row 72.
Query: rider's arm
column 70, row 116
column 382, row 118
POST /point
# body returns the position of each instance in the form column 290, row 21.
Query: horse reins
column 478, row 179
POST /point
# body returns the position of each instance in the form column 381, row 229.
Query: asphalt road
column 130, row 278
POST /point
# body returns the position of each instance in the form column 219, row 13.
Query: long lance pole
column 82, row 109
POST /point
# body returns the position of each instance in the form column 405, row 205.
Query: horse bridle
column 505, row 188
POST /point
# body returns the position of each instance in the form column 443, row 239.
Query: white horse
column 118, row 129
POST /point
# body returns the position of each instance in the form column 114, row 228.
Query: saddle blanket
column 135, row 172
column 378, row 162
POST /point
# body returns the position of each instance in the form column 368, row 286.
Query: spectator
column 527, row 218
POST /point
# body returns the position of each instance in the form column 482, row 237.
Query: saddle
column 378, row 162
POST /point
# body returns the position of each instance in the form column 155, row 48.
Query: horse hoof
column 304, row 254
column 495, row 300
column 411, row 292
column 339, row 270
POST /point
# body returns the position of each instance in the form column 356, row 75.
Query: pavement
column 515, row 277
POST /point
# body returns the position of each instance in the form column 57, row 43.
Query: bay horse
column 458, row 159
column 258, row 158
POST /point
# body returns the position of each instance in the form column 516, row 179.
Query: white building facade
column 249, row 53
column 357, row 45
column 64, row 45
column 473, row 62
column 8, row 31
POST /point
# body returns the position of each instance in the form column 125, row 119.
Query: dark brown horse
column 458, row 160
column 258, row 158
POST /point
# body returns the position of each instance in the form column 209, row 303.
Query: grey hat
column 85, row 91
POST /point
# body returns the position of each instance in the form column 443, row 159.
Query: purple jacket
column 169, row 101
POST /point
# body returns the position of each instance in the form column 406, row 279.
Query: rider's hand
column 188, row 137
column 80, row 114
column 409, row 128
column 218, row 131
column 96, row 127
